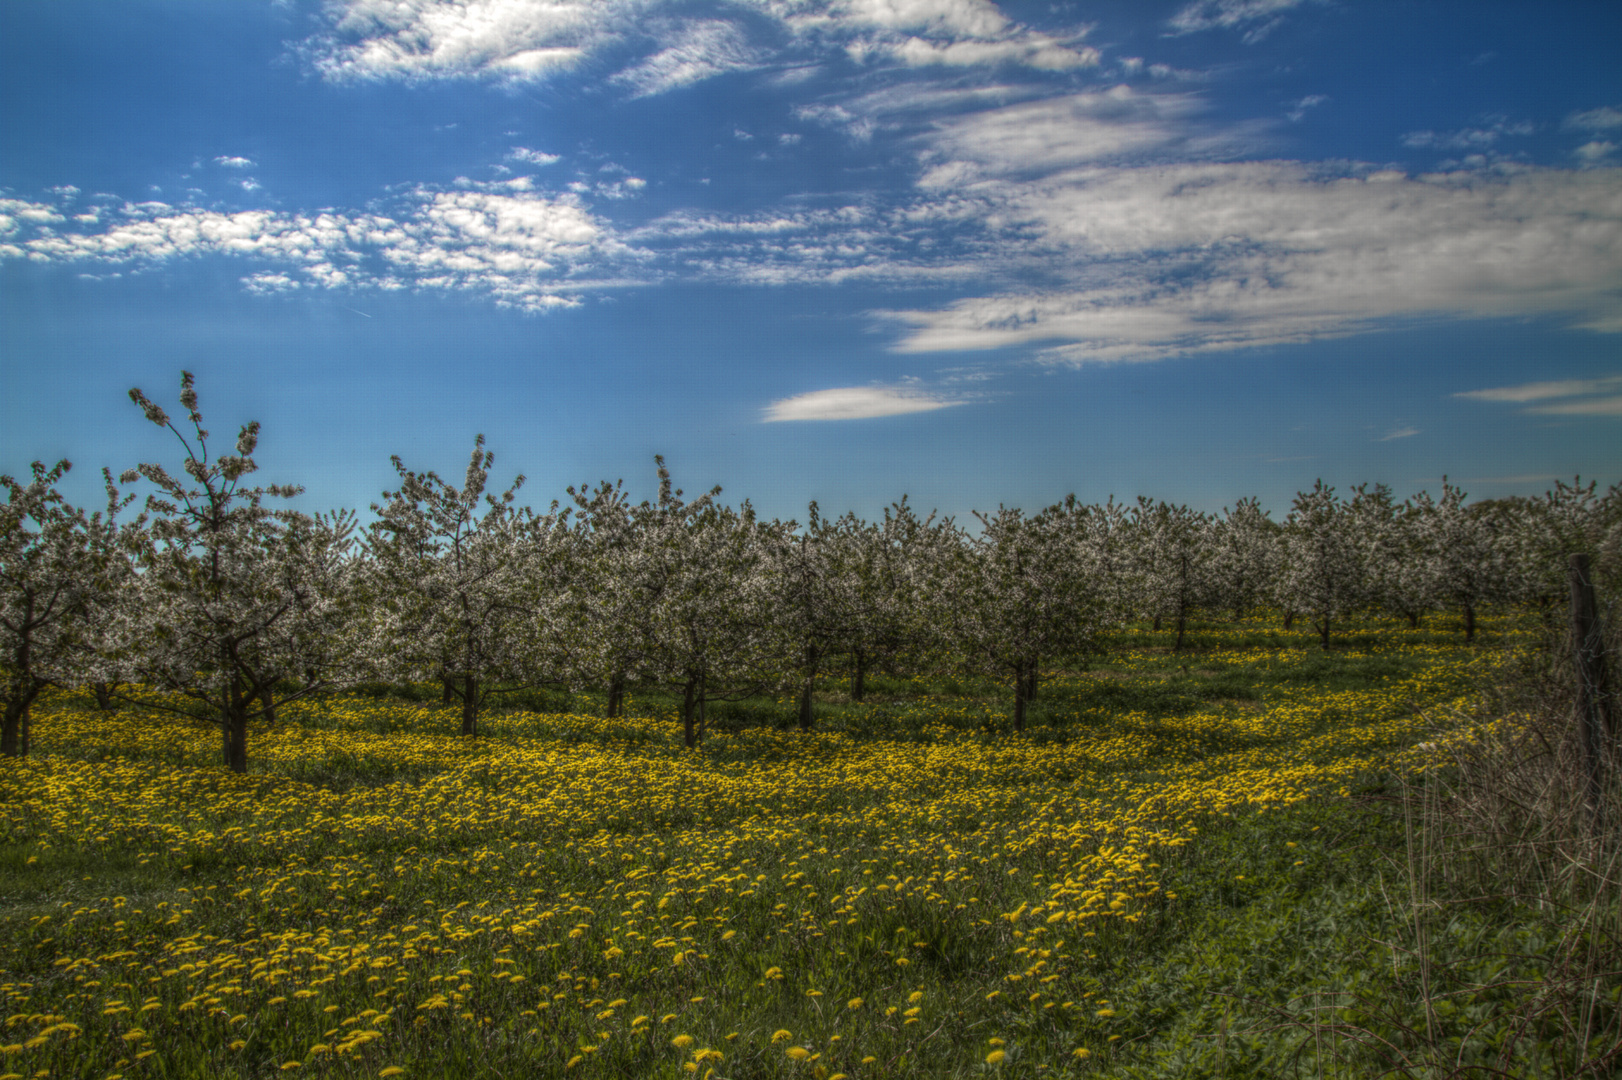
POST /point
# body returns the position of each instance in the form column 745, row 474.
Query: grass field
column 1175, row 871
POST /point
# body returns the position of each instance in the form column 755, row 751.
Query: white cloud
column 1040, row 136
column 696, row 51
column 1399, row 433
column 1033, row 50
column 1604, row 118
column 1192, row 258
column 1610, row 406
column 1542, row 391
column 1311, row 101
column 504, row 39
column 1526, row 393
column 504, row 241
column 855, row 403
column 517, row 40
column 1257, row 18
column 234, row 162
column 532, row 157
column 1466, row 139
column 858, row 128
column 1595, row 151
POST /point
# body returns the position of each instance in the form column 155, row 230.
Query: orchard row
column 228, row 606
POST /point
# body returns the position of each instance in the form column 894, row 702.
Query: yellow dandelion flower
column 781, row 1034
column 996, row 1057
column 798, row 1053
column 854, row 1003
column 1081, row 1053
column 682, row 1042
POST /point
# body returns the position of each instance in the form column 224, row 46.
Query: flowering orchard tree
column 1323, row 572
column 814, row 573
column 707, row 604
column 233, row 599
column 1468, row 550
column 452, row 572
column 603, row 595
column 1565, row 521
column 1244, row 557
column 1400, row 577
column 1173, row 571
column 888, row 600
column 1017, row 593
column 58, row 573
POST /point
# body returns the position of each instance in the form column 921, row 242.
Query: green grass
column 1277, row 940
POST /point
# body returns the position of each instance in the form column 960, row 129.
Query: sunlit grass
column 910, row 890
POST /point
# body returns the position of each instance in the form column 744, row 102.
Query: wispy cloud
column 855, row 403
column 515, row 246
column 1564, row 397
column 531, row 157
column 1604, row 118
column 425, row 39
column 1256, row 18
column 1055, row 133
column 1474, row 139
column 1606, row 406
column 696, row 51
column 1181, row 259
column 234, row 162
column 524, row 40
column 1544, row 391
column 1311, row 101
column 1399, row 433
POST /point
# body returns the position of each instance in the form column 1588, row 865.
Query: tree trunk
column 1323, row 631
column 1022, row 685
column 807, row 685
column 235, row 739
column 616, row 695
column 1032, row 680
column 267, row 703
column 703, row 713
column 1157, row 623
column 447, row 694
column 858, row 678
column 104, row 696
column 689, row 695
column 470, row 705
column 11, row 744
column 1469, row 622
column 1413, row 620
column 16, row 722
column 1182, row 628
column 1289, row 619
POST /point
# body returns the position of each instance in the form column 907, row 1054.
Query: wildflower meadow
column 911, row 889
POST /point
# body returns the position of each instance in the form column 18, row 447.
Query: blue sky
column 822, row 249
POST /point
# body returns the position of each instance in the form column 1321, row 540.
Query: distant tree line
column 233, row 607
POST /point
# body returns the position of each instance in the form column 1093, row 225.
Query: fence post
column 1592, row 691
